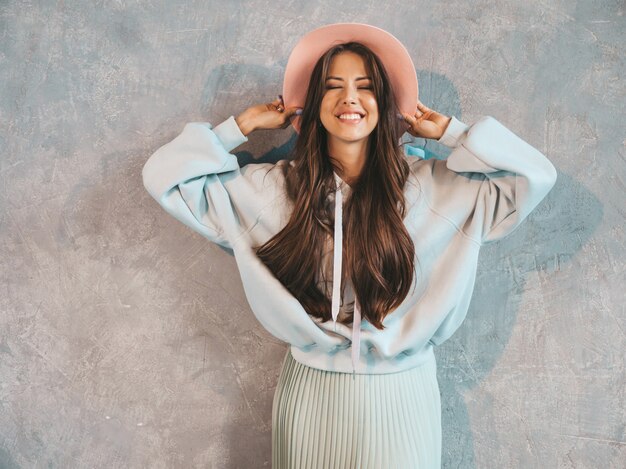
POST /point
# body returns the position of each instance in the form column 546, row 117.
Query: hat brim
column 388, row 48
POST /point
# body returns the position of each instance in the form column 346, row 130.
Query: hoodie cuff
column 454, row 134
column 230, row 134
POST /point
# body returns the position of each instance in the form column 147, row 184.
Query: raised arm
column 491, row 180
column 197, row 181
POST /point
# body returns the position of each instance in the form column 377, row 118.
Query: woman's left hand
column 426, row 123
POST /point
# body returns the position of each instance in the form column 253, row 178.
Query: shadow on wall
column 6, row 461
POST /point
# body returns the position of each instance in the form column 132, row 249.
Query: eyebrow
column 341, row 79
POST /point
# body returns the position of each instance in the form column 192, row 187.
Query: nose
column 349, row 98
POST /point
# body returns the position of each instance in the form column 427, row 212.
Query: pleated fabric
column 330, row 420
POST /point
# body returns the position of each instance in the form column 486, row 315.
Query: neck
column 348, row 158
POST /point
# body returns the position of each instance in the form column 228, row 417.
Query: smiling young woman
column 358, row 256
column 348, row 150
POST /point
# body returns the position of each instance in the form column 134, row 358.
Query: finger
column 412, row 123
column 422, row 110
column 273, row 105
column 280, row 103
column 426, row 115
column 277, row 103
column 422, row 107
column 411, row 120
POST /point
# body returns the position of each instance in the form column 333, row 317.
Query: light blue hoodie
column 480, row 193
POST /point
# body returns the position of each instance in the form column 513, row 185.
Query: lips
column 350, row 121
column 362, row 114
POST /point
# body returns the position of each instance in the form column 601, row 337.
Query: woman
column 358, row 385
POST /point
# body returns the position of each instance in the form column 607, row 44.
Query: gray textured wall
column 126, row 339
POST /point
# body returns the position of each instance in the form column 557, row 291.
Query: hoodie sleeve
column 491, row 180
column 197, row 181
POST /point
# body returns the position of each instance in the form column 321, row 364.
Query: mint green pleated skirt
column 329, row 420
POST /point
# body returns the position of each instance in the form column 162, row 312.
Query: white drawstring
column 337, row 254
column 356, row 335
column 337, row 259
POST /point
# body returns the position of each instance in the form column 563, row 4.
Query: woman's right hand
column 266, row 116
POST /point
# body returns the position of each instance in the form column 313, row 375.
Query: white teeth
column 350, row 116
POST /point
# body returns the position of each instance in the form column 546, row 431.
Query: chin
column 349, row 134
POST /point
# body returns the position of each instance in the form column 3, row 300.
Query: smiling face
column 348, row 91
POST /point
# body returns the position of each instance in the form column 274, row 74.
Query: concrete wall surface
column 126, row 340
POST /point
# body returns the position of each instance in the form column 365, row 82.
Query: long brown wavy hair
column 377, row 248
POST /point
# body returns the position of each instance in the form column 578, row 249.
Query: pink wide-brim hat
column 387, row 47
